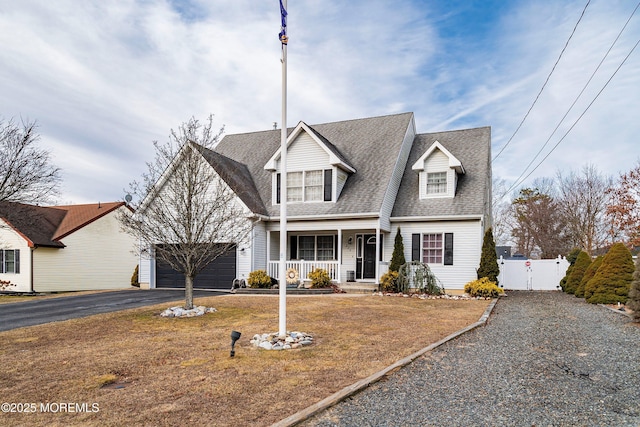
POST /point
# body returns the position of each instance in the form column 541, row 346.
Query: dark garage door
column 217, row 275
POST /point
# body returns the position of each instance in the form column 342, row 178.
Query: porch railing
column 305, row 267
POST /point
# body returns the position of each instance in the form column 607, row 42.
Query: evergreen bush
column 489, row 267
column 259, row 279
column 577, row 272
column 612, row 280
column 571, row 257
column 319, row 278
column 483, row 288
column 389, row 282
column 134, row 278
column 634, row 293
column 397, row 258
column 583, row 291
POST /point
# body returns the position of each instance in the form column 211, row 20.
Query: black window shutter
column 17, row 259
column 327, row 185
column 448, row 248
column 293, row 247
column 1, row 261
column 415, row 247
column 277, row 188
column 335, row 247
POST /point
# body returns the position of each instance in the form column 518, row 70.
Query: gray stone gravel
column 543, row 359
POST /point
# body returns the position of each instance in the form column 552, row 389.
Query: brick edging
column 366, row 382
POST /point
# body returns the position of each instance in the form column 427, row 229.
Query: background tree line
column 580, row 209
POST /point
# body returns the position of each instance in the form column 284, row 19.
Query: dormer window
column 436, row 183
column 307, row 186
column 438, row 172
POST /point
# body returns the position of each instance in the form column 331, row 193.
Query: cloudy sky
column 104, row 79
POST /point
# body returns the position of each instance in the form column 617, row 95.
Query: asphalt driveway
column 29, row 313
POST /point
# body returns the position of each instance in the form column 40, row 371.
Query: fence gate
column 532, row 274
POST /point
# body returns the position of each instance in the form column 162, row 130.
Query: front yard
column 137, row 368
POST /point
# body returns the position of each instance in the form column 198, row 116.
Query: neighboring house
column 64, row 248
column 350, row 185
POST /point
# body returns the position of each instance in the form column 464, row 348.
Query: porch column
column 268, row 250
column 377, row 255
column 339, row 254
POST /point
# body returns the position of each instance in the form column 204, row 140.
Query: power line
column 579, row 95
column 575, row 122
column 545, row 83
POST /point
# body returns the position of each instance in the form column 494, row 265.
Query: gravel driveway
column 543, row 359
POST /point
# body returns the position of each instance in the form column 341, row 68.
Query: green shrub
column 416, row 276
column 134, row 278
column 483, row 288
column 612, row 281
column 259, row 279
column 319, row 278
column 389, row 282
column 571, row 257
column 634, row 293
column 397, row 258
column 489, row 259
column 577, row 272
column 583, row 291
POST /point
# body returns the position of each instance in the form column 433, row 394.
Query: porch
column 305, row 267
column 348, row 256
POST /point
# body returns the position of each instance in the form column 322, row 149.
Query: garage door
column 217, row 275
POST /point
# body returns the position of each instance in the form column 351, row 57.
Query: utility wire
column 545, row 83
column 575, row 122
column 577, row 98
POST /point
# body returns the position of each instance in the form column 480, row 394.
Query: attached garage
column 217, row 275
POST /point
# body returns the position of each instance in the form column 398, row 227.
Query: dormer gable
column 316, row 170
column 438, row 170
column 335, row 157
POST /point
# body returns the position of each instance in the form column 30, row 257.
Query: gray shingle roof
column 370, row 145
column 237, row 176
column 470, row 146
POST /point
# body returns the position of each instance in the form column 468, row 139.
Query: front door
column 366, row 256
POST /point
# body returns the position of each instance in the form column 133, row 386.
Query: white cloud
column 105, row 79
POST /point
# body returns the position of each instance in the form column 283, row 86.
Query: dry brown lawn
column 137, row 368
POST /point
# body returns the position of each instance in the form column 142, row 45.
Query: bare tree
column 503, row 214
column 539, row 226
column 583, row 201
column 185, row 211
column 26, row 172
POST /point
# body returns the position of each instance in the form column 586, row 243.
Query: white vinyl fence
column 532, row 274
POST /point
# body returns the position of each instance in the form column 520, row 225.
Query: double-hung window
column 432, row 248
column 313, row 248
column 307, row 186
column 436, row 183
column 10, row 261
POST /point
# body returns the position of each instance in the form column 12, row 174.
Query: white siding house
column 350, row 185
column 67, row 248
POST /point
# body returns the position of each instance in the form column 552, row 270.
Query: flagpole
column 282, row 328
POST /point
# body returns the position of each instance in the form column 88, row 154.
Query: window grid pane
column 432, row 248
column 306, row 248
column 294, row 186
column 436, row 183
column 325, row 248
column 9, row 261
column 313, row 186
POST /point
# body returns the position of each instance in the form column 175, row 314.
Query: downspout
column 31, row 268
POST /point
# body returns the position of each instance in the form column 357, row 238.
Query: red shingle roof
column 45, row 226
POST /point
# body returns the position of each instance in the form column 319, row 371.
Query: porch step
column 358, row 288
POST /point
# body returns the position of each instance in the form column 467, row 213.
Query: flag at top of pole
column 283, row 25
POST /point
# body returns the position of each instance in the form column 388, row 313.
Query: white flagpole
column 282, row 329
